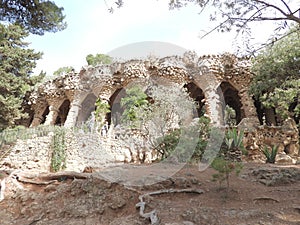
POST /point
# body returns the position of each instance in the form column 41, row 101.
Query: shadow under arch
column 232, row 99
column 63, row 112
column 116, row 110
column 87, row 107
column 197, row 94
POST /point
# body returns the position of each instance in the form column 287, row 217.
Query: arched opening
column 114, row 116
column 87, row 107
column 233, row 105
column 63, row 112
column 197, row 94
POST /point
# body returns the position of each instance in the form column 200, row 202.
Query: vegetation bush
column 58, row 160
column 169, row 142
column 228, row 159
column 270, row 155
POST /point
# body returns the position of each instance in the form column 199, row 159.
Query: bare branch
column 215, row 28
column 272, row 6
column 286, row 5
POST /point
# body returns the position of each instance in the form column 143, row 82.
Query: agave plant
column 270, row 155
column 234, row 139
column 234, row 144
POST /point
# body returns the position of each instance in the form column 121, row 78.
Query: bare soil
column 261, row 194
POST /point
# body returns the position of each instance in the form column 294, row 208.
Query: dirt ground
column 261, row 194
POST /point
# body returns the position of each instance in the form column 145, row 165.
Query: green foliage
column 10, row 136
column 226, row 163
column 97, row 59
column 270, row 155
column 34, row 15
column 17, row 63
column 277, row 81
column 234, row 140
column 63, row 70
column 134, row 101
column 102, row 108
column 230, row 116
column 225, row 168
column 58, row 160
column 168, row 143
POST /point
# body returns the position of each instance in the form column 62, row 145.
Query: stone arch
column 114, row 116
column 233, row 100
column 63, row 112
column 197, row 94
column 87, row 107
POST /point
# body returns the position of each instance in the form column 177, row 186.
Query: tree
column 277, row 81
column 229, row 158
column 160, row 117
column 134, row 101
column 36, row 16
column 94, row 60
column 63, row 70
column 239, row 13
column 17, row 62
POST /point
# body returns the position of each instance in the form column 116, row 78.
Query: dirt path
column 262, row 194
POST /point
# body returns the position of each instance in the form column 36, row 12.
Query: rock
column 292, row 149
column 284, row 159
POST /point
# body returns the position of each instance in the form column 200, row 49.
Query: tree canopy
column 36, row 16
column 63, row 70
column 98, row 59
column 277, row 80
column 16, row 65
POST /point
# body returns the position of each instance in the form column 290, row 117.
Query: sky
column 92, row 29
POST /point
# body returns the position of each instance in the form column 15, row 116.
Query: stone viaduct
column 213, row 81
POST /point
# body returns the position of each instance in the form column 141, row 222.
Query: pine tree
column 16, row 65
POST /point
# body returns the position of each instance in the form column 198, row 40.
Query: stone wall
column 30, row 154
column 91, row 150
column 285, row 137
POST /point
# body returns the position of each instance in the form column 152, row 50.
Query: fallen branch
column 45, row 179
column 37, row 182
column 154, row 219
column 265, row 198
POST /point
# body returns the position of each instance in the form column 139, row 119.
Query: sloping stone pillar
column 75, row 108
column 38, row 116
column 249, row 107
column 54, row 105
column 214, row 101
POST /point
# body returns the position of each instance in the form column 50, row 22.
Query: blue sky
column 92, row 29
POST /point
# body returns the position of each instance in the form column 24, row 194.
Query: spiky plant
column 270, row 155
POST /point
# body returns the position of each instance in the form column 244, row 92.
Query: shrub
column 58, row 160
column 270, row 155
column 169, row 142
column 229, row 157
column 225, row 168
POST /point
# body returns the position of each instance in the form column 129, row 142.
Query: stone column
column 37, row 119
column 248, row 107
column 75, row 107
column 54, row 105
column 73, row 114
column 214, row 105
column 38, row 116
column 52, row 115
